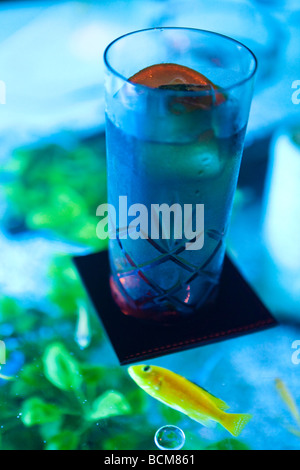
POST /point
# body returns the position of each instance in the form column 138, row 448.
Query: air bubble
column 169, row 438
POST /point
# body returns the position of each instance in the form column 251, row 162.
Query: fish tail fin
column 235, row 423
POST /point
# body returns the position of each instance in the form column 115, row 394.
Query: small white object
column 282, row 216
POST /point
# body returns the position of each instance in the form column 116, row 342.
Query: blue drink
column 170, row 143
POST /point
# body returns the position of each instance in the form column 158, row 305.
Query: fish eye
column 147, row 369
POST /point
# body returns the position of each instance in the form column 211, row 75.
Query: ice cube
column 225, row 118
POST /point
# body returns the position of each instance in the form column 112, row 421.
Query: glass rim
column 161, row 28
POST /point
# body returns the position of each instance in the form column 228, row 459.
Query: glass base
column 153, row 310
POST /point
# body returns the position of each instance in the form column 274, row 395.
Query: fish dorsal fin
column 217, row 401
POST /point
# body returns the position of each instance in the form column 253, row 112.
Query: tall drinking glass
column 173, row 155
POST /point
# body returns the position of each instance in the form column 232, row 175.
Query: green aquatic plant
column 57, row 188
column 63, row 394
column 65, row 397
column 228, row 444
column 60, row 393
column 60, row 396
column 78, row 404
column 66, row 290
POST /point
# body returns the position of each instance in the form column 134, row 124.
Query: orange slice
column 180, row 78
column 167, row 74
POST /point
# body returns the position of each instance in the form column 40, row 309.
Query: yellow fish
column 184, row 396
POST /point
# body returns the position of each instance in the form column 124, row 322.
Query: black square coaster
column 236, row 311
